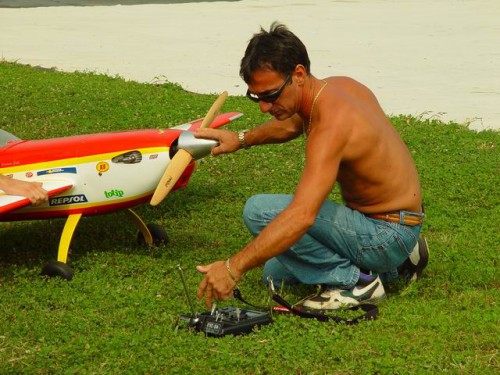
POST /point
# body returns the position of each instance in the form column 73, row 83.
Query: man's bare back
column 373, row 179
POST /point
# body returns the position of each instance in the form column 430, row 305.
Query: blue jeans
column 340, row 242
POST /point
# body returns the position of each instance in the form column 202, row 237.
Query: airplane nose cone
column 197, row 147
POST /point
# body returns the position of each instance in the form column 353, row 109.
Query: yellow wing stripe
column 78, row 160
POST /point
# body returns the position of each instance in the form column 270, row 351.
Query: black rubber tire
column 58, row 269
column 159, row 235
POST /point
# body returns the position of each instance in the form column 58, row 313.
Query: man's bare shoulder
column 349, row 85
column 344, row 81
column 354, row 97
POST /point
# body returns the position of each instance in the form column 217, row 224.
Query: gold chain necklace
column 312, row 109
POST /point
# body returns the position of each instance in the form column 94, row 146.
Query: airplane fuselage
column 109, row 171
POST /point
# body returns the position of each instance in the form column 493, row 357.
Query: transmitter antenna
column 191, row 307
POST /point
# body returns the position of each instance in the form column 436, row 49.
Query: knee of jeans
column 253, row 212
column 252, row 215
column 253, row 209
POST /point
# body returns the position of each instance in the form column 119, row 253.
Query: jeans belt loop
column 401, row 217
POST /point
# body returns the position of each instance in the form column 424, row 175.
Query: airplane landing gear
column 149, row 234
column 158, row 235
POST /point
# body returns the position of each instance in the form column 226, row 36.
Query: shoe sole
column 411, row 271
column 374, row 301
column 423, row 250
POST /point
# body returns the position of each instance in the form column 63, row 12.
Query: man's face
column 269, row 88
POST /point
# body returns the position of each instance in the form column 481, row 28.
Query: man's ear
column 299, row 74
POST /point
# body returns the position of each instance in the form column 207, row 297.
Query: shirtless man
column 31, row 190
column 304, row 237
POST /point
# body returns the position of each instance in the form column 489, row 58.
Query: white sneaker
column 332, row 299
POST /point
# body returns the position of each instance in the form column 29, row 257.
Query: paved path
column 421, row 57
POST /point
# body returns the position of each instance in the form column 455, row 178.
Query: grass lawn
column 118, row 314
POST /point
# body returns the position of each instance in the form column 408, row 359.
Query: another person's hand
column 217, row 283
column 32, row 190
column 228, row 140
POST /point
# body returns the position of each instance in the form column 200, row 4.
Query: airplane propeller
column 182, row 158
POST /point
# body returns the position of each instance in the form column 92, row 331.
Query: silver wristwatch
column 241, row 139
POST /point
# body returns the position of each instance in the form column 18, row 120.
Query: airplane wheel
column 56, row 268
column 159, row 235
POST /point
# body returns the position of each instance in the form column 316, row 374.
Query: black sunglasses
column 270, row 97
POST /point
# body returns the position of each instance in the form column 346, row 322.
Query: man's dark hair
column 279, row 50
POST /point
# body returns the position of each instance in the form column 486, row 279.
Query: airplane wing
column 220, row 120
column 14, row 202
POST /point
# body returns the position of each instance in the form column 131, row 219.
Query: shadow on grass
column 31, row 244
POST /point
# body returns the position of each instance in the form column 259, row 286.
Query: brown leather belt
column 400, row 217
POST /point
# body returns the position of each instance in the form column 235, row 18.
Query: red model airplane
column 97, row 174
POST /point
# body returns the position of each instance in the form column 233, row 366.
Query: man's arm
column 323, row 155
column 31, row 190
column 273, row 131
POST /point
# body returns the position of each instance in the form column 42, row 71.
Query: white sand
column 421, row 57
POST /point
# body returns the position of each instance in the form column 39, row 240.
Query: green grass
column 118, row 314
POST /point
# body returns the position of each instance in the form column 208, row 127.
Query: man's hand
column 228, row 140
column 217, row 283
column 32, row 190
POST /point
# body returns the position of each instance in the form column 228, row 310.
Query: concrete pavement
column 430, row 58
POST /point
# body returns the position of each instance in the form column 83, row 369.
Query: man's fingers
column 201, row 288
column 216, row 285
column 206, row 133
column 217, row 150
column 208, row 298
column 37, row 194
column 202, row 269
